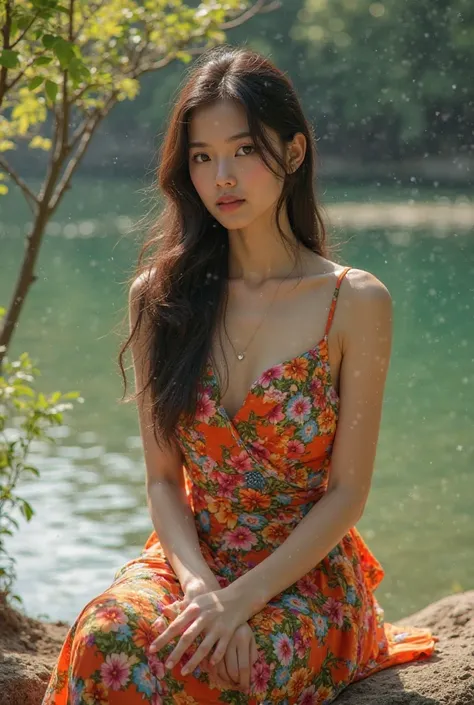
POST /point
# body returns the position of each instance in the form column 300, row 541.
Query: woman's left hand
column 217, row 614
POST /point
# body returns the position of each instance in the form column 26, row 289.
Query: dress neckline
column 321, row 345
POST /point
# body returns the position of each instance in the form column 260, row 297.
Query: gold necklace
column 241, row 355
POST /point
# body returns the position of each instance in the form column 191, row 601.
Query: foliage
column 73, row 62
column 25, row 416
column 380, row 80
column 391, row 68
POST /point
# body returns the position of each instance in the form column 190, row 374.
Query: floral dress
column 250, row 479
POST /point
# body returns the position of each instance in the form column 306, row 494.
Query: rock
column 28, row 651
column 29, row 648
column 445, row 678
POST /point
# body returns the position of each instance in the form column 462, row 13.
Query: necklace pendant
column 240, row 356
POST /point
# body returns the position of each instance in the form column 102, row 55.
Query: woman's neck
column 257, row 254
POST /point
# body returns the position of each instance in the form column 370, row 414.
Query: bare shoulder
column 362, row 286
column 362, row 292
column 366, row 306
column 139, row 285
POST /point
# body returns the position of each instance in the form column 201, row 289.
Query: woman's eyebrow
column 238, row 136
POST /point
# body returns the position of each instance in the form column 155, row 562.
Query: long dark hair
column 184, row 262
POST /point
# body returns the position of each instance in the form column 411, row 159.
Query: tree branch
column 6, row 29
column 31, row 198
column 32, row 21
column 86, row 136
column 259, row 7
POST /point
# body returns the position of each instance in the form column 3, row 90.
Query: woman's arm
column 170, row 513
column 366, row 316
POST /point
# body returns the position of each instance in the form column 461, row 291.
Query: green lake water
column 90, row 504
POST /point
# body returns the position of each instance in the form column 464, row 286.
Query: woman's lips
column 231, row 206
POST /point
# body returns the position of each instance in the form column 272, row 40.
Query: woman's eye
column 198, row 157
column 249, row 147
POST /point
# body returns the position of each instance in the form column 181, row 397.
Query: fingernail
column 169, row 664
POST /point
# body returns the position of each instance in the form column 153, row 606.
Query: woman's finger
column 231, row 662
column 243, row 656
column 219, row 681
column 201, row 652
column 187, row 638
column 224, row 674
column 177, row 627
column 218, row 675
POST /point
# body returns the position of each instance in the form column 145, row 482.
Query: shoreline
column 440, row 216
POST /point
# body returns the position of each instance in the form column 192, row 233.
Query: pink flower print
column 156, row 699
column 298, row 408
column 110, row 618
column 308, row 696
column 334, row 611
column 156, row 665
column 241, row 462
column 261, row 673
column 227, row 483
column 259, row 451
column 209, row 465
column 205, row 407
column 332, row 395
column 307, row 586
column 316, row 387
column 240, row 538
column 269, row 375
column 274, row 395
column 276, row 414
column 317, row 392
column 283, row 648
column 295, row 447
column 300, row 646
column 115, row 671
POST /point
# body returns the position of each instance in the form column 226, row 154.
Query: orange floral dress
column 250, row 480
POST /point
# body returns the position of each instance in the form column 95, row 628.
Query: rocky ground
column 28, row 649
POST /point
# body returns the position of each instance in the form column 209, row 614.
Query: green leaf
column 9, row 59
column 64, row 51
column 35, row 82
column 23, row 22
column 30, row 468
column 26, row 509
column 51, row 90
column 48, row 41
column 42, row 61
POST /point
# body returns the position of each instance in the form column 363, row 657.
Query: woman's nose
column 224, row 175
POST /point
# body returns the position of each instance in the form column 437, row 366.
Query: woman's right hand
column 235, row 669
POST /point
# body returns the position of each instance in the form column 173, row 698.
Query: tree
column 72, row 61
column 388, row 78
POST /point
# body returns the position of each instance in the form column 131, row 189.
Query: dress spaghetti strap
column 334, row 300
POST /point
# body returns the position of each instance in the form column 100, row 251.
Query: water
column 91, row 513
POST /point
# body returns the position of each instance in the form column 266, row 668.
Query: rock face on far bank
column 29, row 648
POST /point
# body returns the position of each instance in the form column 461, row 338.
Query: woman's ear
column 295, row 153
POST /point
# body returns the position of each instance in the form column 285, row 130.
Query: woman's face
column 224, row 164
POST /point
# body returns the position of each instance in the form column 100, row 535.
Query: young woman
column 259, row 404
